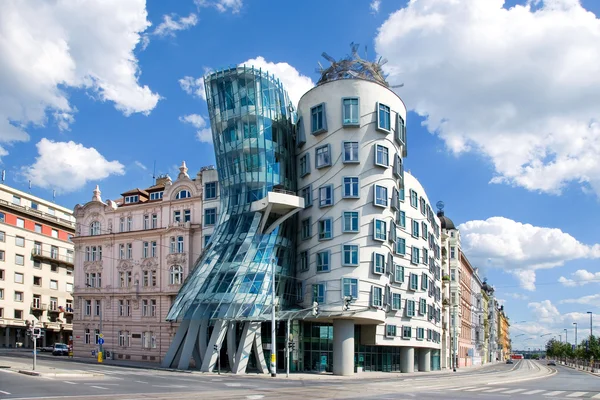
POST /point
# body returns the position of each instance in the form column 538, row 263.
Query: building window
column 210, row 216
column 424, row 281
column 410, row 308
column 318, row 293
column 380, row 196
column 350, row 154
column 20, row 223
column 414, row 281
column 415, row 256
column 172, row 245
column 98, row 311
column 415, row 228
column 420, row 333
column 425, row 256
column 350, row 187
column 124, row 338
column 156, row 195
column 131, row 199
column 306, row 194
column 326, row 196
column 19, row 277
column 376, row 296
column 304, row 261
column 148, row 340
column 180, row 248
column 305, row 165
column 381, row 156
column 396, row 301
column 19, row 241
column 380, row 230
column 422, row 205
column 121, row 224
column 350, row 221
column 401, row 246
column 350, row 287
column 206, row 240
column 129, row 224
column 378, row 263
column 153, row 249
column 323, row 156
column 87, row 336
column 406, row 332
column 306, row 229
column 19, row 259
column 383, row 117
column 390, row 330
column 176, row 216
column 176, row 275
column 350, row 255
column 400, row 135
column 2, row 234
column 146, row 221
column 183, row 194
column 37, row 248
column 422, row 306
column 125, row 278
column 452, row 252
column 154, row 221
column 95, row 228
column 210, row 191
column 145, row 249
column 323, row 262
column 402, row 219
column 350, row 112
column 129, row 251
column 16, row 200
column 318, row 119
column 88, row 307
column 414, row 199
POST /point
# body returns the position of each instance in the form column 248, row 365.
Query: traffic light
column 37, row 332
column 315, row 308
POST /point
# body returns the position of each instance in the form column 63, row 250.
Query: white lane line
column 555, row 393
column 576, row 394
column 104, row 384
column 495, row 390
column 99, row 387
column 140, row 382
column 513, row 391
column 463, row 388
column 3, row 392
column 168, row 386
column 534, row 391
column 476, row 389
column 70, row 383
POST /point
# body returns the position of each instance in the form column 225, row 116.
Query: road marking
column 105, row 384
column 513, row 391
column 476, row 389
column 168, row 386
column 140, row 382
column 495, row 390
column 556, row 392
column 255, row 396
column 576, row 394
column 596, row 396
column 3, row 392
column 463, row 388
column 99, row 387
column 534, row 391
column 70, row 383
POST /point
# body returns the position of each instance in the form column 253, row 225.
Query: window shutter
column 395, row 201
column 390, row 264
column 300, row 134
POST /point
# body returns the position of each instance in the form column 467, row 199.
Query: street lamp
column 566, row 336
column 591, row 331
column 273, row 338
column 575, row 323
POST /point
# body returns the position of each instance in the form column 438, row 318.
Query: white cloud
column 193, row 86
column 173, row 23
column 68, row 166
column 48, row 47
column 580, row 277
column 222, row 5
column 518, row 296
column 593, row 300
column 519, row 85
column 140, row 165
column 375, row 4
column 203, row 134
column 295, row 83
column 519, row 248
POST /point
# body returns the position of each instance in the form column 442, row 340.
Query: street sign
column 101, row 335
column 100, row 341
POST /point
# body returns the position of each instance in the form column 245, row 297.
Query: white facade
column 132, row 258
column 356, row 237
column 36, row 269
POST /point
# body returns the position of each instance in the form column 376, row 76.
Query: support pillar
column 407, row 359
column 343, row 347
column 216, row 339
column 424, row 360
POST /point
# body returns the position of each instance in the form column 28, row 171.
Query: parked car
column 60, row 349
column 510, row 361
column 48, row 349
column 552, row 362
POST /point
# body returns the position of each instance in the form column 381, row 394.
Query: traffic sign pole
column 34, row 337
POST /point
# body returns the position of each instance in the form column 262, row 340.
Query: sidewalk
column 582, row 368
column 26, row 367
column 27, row 353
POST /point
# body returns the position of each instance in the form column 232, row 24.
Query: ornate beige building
column 132, row 256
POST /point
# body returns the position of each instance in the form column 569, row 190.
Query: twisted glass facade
column 251, row 120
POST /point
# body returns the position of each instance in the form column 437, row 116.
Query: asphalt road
column 523, row 380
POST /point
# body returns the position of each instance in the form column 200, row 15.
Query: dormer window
column 156, row 195
column 131, row 199
column 183, row 194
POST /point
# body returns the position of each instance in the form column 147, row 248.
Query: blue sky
column 503, row 126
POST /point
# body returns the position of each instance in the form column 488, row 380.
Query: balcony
column 37, row 306
column 46, row 216
column 50, row 256
column 280, row 204
column 54, row 309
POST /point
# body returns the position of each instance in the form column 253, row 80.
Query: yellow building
column 503, row 334
column 485, row 356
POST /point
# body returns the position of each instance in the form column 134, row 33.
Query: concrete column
column 407, row 359
column 343, row 347
column 7, row 337
column 424, row 360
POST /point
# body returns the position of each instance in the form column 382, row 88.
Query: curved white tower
column 368, row 250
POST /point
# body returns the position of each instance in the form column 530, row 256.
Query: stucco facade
column 132, row 256
column 465, row 341
column 504, row 344
column 36, row 269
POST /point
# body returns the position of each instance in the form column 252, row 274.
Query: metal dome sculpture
column 353, row 66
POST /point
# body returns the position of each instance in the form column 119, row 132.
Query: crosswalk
column 514, row 392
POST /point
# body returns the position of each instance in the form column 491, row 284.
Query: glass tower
column 252, row 127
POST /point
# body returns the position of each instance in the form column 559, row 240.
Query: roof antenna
column 154, row 173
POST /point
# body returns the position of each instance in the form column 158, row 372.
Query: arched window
column 183, row 194
column 95, row 228
column 176, row 275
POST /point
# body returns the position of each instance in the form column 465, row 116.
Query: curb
column 58, row 375
column 581, row 370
